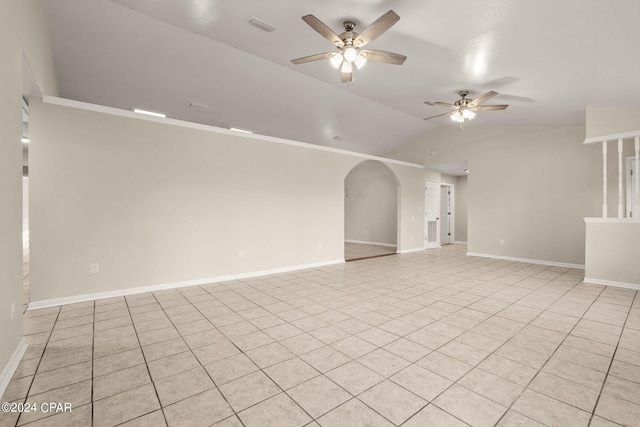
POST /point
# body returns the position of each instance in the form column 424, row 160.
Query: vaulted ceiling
column 548, row 59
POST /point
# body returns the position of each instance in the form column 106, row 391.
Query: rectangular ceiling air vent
column 261, row 25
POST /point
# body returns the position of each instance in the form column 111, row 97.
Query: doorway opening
column 447, row 220
column 30, row 88
column 370, row 211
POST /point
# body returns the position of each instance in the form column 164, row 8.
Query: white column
column 620, row 180
column 636, row 174
column 604, row 179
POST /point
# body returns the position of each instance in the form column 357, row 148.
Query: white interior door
column 431, row 214
column 445, row 214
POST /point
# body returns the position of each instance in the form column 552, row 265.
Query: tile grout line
column 554, row 352
column 595, row 406
column 144, row 357
column 40, row 361
column 486, row 357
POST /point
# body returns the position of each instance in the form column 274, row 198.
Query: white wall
column 157, row 203
column 461, row 219
column 23, row 31
column 371, row 204
column 528, row 186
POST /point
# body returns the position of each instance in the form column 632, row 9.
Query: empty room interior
column 302, row 213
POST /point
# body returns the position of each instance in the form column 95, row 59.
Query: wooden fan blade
column 323, row 30
column 382, row 56
column 444, row 104
column 490, row 107
column 482, row 98
column 346, row 77
column 311, row 58
column 439, row 115
column 378, row 27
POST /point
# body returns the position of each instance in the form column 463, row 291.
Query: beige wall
column 527, row 186
column 609, row 121
column 371, row 204
column 461, row 208
column 23, row 33
column 157, row 203
column 612, row 252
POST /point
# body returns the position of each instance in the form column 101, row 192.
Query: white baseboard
column 635, row 286
column 529, row 261
column 363, row 242
column 408, row 251
column 12, row 365
column 34, row 305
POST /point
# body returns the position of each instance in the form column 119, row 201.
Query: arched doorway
column 370, row 211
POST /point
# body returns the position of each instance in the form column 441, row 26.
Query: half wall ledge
column 612, row 252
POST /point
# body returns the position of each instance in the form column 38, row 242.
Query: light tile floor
column 425, row 339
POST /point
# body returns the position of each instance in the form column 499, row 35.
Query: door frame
column 435, row 243
column 452, row 222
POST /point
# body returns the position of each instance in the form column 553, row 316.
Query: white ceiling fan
column 349, row 44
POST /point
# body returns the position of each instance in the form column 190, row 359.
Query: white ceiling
column 549, row 60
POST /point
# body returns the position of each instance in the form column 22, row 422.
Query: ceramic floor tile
column 291, row 372
column 120, row 381
column 353, row 347
column 434, row 416
column 60, row 377
column 301, row 344
column 219, row 349
column 249, row 390
column 508, row 369
column 549, row 411
column 270, row 354
column 383, row 362
column 170, row 365
column 230, row 368
column 278, row 411
column 407, row 349
column 202, row 409
column 125, row 406
column 321, row 319
column 491, row 386
column 378, row 337
column 329, row 334
column 353, row 413
column 155, row 419
column 566, row 391
column 421, row 382
column 576, row 373
column 354, row 377
column 622, row 389
column 319, row 395
column 392, row 401
column 183, row 385
column 512, row 418
column 445, row 366
column 325, row 358
column 470, row 407
column 463, row 352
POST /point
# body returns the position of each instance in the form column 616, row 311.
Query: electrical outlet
column 501, row 242
column 95, row 268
